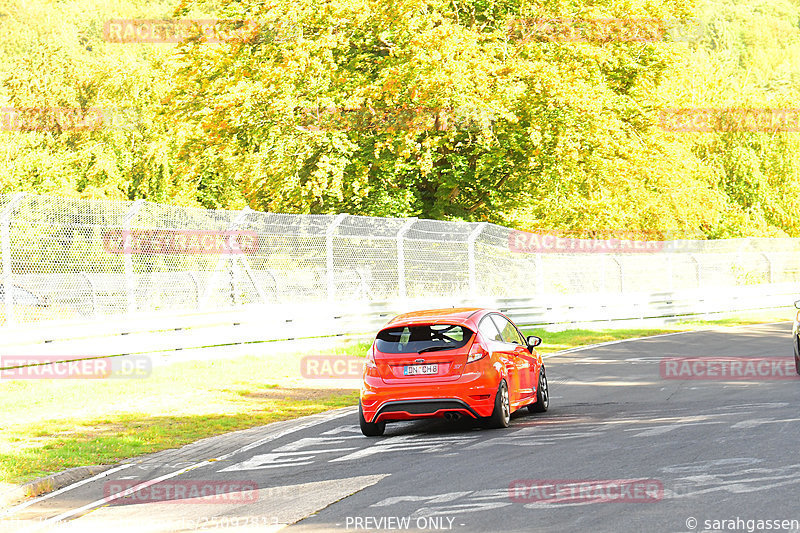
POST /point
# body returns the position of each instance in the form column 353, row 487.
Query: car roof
column 453, row 315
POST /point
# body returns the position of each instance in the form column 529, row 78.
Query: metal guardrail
column 264, row 323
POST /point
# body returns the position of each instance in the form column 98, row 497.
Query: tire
column 370, row 429
column 796, row 350
column 542, row 395
column 501, row 415
column 797, row 362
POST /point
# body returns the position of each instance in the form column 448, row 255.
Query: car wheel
column 542, row 395
column 797, row 363
column 370, row 429
column 501, row 416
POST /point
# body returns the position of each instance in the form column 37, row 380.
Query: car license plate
column 415, row 370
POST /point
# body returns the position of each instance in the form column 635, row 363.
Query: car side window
column 488, row 329
column 508, row 331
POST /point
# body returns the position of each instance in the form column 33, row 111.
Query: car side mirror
column 534, row 341
column 797, row 304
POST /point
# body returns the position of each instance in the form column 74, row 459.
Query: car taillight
column 476, row 352
column 369, row 365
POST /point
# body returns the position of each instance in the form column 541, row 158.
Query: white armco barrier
column 263, row 323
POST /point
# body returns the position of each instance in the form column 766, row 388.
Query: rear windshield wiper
column 434, row 349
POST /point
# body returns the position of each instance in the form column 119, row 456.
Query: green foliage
column 429, row 108
column 745, row 58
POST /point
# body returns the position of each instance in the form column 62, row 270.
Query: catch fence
column 75, row 259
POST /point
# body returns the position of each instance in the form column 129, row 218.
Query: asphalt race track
column 689, row 451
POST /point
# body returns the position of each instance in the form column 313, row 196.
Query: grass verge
column 48, row 425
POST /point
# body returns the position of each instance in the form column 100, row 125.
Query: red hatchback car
column 450, row 363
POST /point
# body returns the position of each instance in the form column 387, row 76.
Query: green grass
column 573, row 338
column 50, row 425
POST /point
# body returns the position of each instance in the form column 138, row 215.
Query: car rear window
column 428, row 338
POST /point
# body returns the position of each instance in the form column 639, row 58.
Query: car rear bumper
column 471, row 396
column 412, row 409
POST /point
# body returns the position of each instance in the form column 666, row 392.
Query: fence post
column 196, row 290
column 670, row 272
column 363, row 286
column 697, row 268
column 473, row 285
column 621, row 274
column 85, row 276
column 224, row 260
column 237, row 223
column 127, row 257
column 538, row 266
column 769, row 267
column 401, row 257
column 603, row 273
column 8, row 284
column 330, row 274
